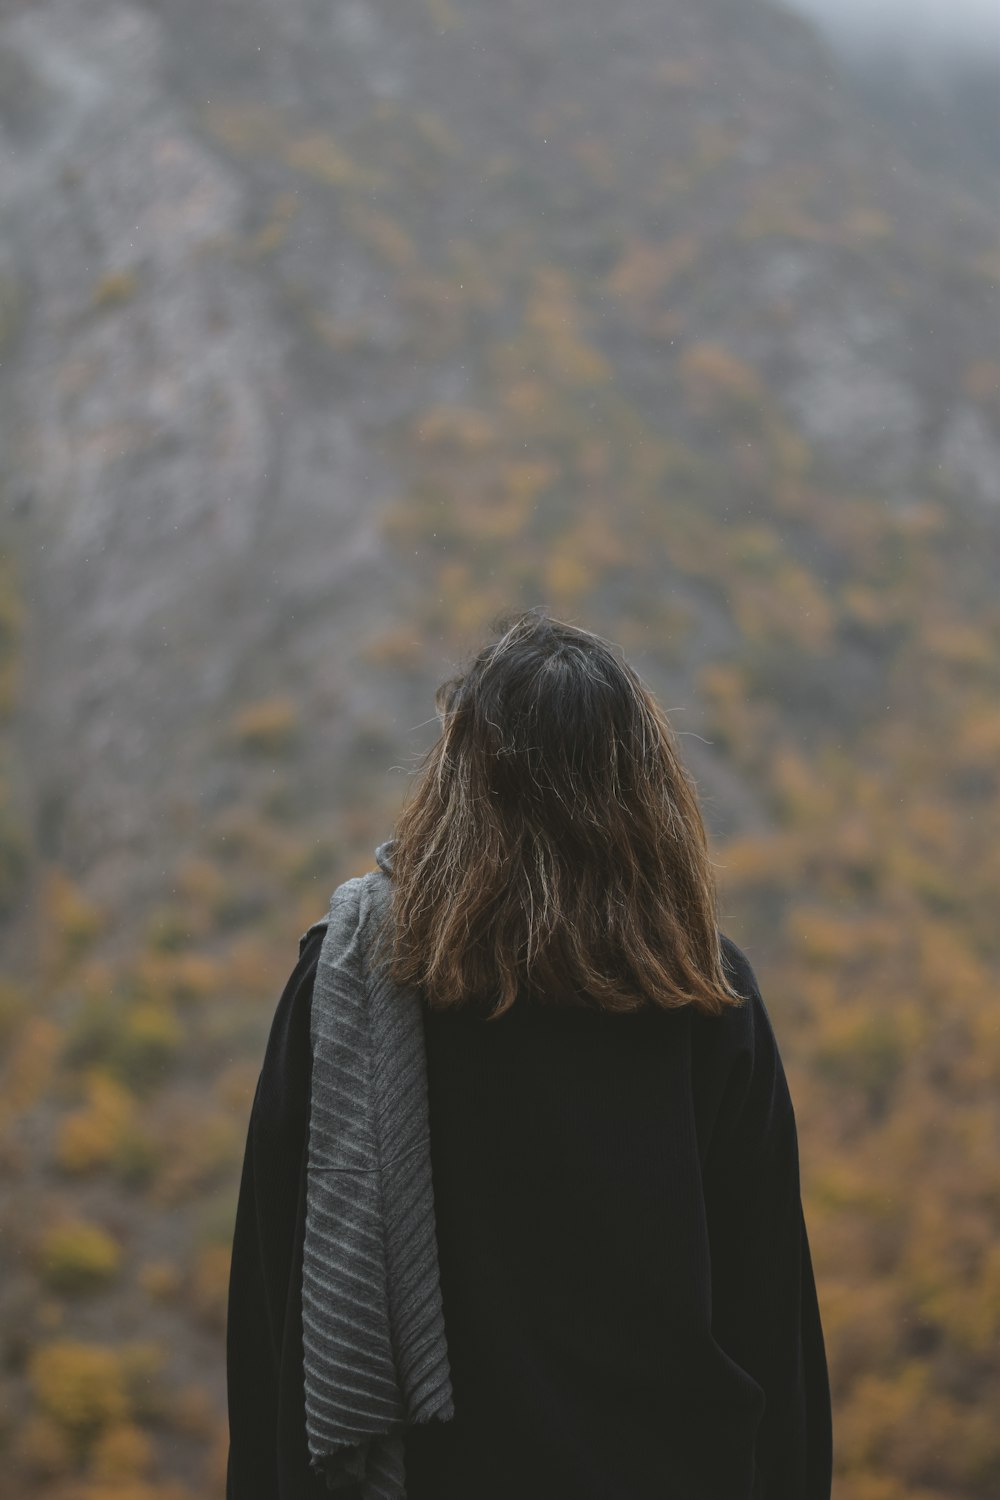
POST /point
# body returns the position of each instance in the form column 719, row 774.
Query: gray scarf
column 373, row 1333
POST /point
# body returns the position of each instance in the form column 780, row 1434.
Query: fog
column 950, row 30
column 930, row 70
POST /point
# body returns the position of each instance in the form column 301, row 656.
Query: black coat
column 628, row 1293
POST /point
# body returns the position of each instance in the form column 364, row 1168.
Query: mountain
column 326, row 331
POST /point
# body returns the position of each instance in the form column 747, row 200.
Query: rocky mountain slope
column 328, row 329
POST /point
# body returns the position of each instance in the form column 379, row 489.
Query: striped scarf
column 373, row 1333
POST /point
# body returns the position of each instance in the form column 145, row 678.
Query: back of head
column 552, row 845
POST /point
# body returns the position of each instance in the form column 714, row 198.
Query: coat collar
column 383, row 855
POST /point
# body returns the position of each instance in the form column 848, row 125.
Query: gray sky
column 946, row 25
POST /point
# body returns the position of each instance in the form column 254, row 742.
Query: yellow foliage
column 149, row 1041
column 843, row 1185
column 735, row 720
column 723, row 682
column 577, row 362
column 13, row 1010
column 711, row 376
column 984, row 1059
column 860, row 225
column 861, row 1318
column 251, row 129
column 600, row 544
column 790, row 607
column 922, row 520
column 397, row 647
column 806, row 797
column 203, row 1146
column 71, row 918
column 756, row 549
column 29, row 1066
column 42, row 1449
column 114, row 289
column 51, row 1314
column 567, row 576
column 987, row 265
column 434, row 132
column 251, row 967
column 463, row 598
column 185, row 977
column 383, row 235
column 714, row 144
column 882, row 1486
column 948, row 969
column 923, row 876
column 454, row 578
column 201, row 882
column 756, row 859
column 959, row 643
column 79, row 1386
column 593, row 460
column 132, row 1489
column 11, row 626
column 272, row 235
column 318, row 155
column 818, row 935
column 78, row 1257
column 269, row 726
column 122, row 1451
column 907, row 1425
column 444, row 14
column 91, row 1136
column 644, row 269
column 788, row 459
column 679, row 72
column 142, row 1361
column 285, row 206
column 878, row 1408
column 460, row 428
column 863, row 1048
column 489, row 517
column 160, row 1279
column 552, row 316
column 875, row 608
column 524, row 480
column 192, row 1411
column 525, row 398
column 781, row 209
column 977, row 738
column 210, row 1284
column 269, row 237
column 981, row 381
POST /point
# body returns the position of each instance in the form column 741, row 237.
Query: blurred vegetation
column 77, row 1257
column 857, row 710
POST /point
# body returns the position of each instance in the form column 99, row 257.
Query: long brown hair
column 553, row 842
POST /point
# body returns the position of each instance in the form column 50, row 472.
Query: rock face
column 143, row 381
column 221, row 262
column 180, row 491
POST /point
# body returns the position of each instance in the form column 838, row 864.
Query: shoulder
column 738, row 1029
column 352, row 904
column 755, row 1049
column 343, row 913
column 738, row 966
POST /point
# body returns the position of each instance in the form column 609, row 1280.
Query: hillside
column 325, row 332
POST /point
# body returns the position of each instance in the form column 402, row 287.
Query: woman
column 625, row 1274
